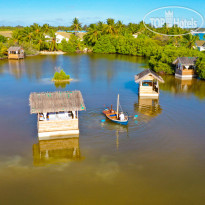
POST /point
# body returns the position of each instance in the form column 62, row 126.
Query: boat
column 116, row 117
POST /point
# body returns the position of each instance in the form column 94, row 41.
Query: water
column 159, row 158
column 201, row 36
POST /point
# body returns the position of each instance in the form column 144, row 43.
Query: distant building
column 185, row 67
column 135, row 35
column 200, row 45
column 62, row 35
column 15, row 53
column 7, row 34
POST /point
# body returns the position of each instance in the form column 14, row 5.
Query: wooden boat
column 120, row 118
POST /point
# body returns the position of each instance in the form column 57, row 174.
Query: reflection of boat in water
column 58, row 150
column 149, row 107
column 115, row 116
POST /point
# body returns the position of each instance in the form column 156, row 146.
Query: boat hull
column 112, row 116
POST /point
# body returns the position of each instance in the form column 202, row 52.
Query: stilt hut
column 59, row 150
column 148, row 83
column 57, row 112
column 15, row 53
column 185, row 67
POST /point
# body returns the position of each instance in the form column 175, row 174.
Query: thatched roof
column 187, row 61
column 7, row 34
column 200, row 43
column 80, row 35
column 13, row 48
column 64, row 34
column 139, row 77
column 56, row 101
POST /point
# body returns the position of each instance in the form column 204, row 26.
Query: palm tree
column 17, row 36
column 93, row 34
column 120, row 26
column 53, row 45
column 36, row 28
column 76, row 25
column 28, row 34
column 45, row 28
column 189, row 40
column 40, row 40
column 110, row 27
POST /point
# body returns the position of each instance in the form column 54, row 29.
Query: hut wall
column 60, row 127
column 146, row 89
column 15, row 56
column 185, row 73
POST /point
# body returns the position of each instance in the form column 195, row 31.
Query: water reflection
column 17, row 68
column 148, row 107
column 118, row 130
column 184, row 87
column 56, row 150
column 61, row 84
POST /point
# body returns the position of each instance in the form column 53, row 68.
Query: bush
column 3, row 39
column 200, row 67
column 61, row 75
column 105, row 45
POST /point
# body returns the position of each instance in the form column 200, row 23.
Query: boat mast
column 118, row 98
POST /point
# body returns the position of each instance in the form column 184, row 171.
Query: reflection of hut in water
column 53, row 151
column 16, row 68
column 148, row 83
column 57, row 112
column 149, row 107
column 184, row 85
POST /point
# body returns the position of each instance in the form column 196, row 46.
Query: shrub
column 61, row 75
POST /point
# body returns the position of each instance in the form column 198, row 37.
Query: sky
column 61, row 12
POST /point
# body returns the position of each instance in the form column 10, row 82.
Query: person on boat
column 122, row 116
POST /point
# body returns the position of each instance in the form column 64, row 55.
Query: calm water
column 158, row 159
column 201, row 36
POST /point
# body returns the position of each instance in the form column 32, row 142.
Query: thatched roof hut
column 15, row 48
column 56, row 101
column 141, row 76
column 186, row 61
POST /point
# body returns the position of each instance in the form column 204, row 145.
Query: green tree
column 76, row 25
column 53, row 45
column 104, row 45
column 190, row 40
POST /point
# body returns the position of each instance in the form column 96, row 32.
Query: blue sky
column 61, row 12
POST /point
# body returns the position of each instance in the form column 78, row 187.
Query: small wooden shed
column 57, row 112
column 15, row 53
column 185, row 67
column 148, row 83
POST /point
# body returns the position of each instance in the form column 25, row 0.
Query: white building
column 62, row 35
column 200, row 45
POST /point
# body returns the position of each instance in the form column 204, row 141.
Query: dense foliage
column 61, row 76
column 113, row 37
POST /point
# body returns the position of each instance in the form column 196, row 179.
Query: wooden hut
column 57, row 112
column 148, row 83
column 185, row 67
column 52, row 151
column 15, row 53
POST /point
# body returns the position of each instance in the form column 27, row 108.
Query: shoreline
column 52, row 53
column 62, row 81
